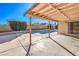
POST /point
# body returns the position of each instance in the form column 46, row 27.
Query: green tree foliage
column 17, row 25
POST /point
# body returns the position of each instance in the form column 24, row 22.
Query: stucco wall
column 63, row 27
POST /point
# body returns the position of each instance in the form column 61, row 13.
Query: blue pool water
column 44, row 31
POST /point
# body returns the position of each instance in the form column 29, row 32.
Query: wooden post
column 49, row 29
column 30, row 30
column 30, row 37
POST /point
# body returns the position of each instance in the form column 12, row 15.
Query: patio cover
column 66, row 12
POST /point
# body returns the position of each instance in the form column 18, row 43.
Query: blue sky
column 16, row 11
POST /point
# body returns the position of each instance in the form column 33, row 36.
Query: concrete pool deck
column 41, row 45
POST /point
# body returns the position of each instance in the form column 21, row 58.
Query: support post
column 30, row 37
column 49, row 28
column 30, row 31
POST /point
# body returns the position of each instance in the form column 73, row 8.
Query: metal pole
column 49, row 28
column 30, row 38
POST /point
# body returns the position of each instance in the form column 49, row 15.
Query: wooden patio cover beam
column 59, row 11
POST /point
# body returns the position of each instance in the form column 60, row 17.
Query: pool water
column 44, row 31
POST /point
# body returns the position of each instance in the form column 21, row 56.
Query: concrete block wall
column 5, row 27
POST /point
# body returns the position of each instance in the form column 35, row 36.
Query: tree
column 17, row 25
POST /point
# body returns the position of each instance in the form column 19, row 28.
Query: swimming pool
column 44, row 31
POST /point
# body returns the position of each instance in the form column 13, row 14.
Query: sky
column 16, row 11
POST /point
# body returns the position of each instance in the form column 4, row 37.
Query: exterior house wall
column 63, row 27
column 74, row 27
